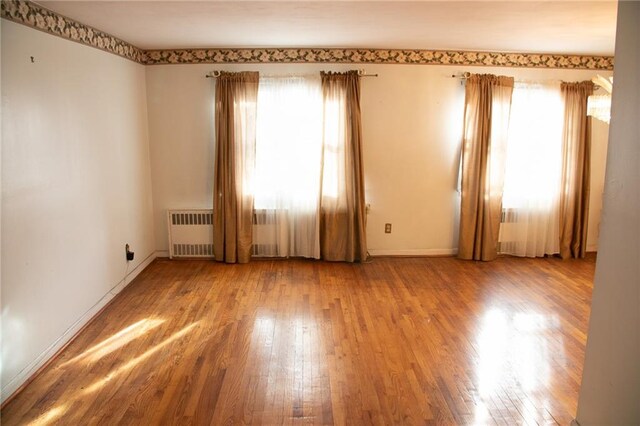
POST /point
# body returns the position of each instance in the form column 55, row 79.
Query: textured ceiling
column 563, row 27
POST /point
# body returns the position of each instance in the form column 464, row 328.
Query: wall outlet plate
column 129, row 254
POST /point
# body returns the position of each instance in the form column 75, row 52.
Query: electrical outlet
column 387, row 228
column 128, row 253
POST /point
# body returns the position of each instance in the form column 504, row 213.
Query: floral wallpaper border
column 377, row 56
column 33, row 15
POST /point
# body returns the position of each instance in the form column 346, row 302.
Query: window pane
column 534, row 147
column 288, row 143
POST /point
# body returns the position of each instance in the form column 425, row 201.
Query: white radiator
column 190, row 233
column 508, row 233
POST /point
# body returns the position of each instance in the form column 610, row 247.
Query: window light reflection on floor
column 135, row 361
column 492, row 342
column 516, row 347
column 50, row 416
column 263, row 332
column 116, row 341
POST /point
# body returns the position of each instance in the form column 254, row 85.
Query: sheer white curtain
column 530, row 203
column 288, row 166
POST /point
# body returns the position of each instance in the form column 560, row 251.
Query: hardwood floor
column 395, row 341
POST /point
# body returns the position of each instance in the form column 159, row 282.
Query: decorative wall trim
column 36, row 16
column 376, row 56
column 33, row 15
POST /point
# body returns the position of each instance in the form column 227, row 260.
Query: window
column 288, row 143
column 287, row 180
column 533, row 171
column 534, row 146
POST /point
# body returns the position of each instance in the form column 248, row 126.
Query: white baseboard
column 592, row 248
column 380, row 252
column 45, row 356
column 162, row 253
column 413, row 252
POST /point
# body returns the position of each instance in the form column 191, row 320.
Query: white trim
column 162, row 253
column 48, row 353
column 592, row 248
column 414, row 252
column 377, row 252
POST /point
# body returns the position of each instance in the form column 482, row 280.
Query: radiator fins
column 193, row 250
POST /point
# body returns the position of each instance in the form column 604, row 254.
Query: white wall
column 75, row 188
column 610, row 392
column 412, row 124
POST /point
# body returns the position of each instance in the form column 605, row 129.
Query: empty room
column 320, row 212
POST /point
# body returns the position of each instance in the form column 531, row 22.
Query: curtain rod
column 465, row 76
column 361, row 73
column 462, row 76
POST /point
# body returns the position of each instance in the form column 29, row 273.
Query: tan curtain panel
column 342, row 205
column 576, row 169
column 235, row 121
column 486, row 124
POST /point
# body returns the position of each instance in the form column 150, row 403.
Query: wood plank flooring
column 395, row 341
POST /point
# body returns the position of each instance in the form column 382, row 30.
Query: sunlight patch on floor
column 50, row 416
column 116, row 341
column 135, row 361
column 517, row 349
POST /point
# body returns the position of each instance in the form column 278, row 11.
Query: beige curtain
column 576, row 161
column 235, row 121
column 486, row 124
column 342, row 205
